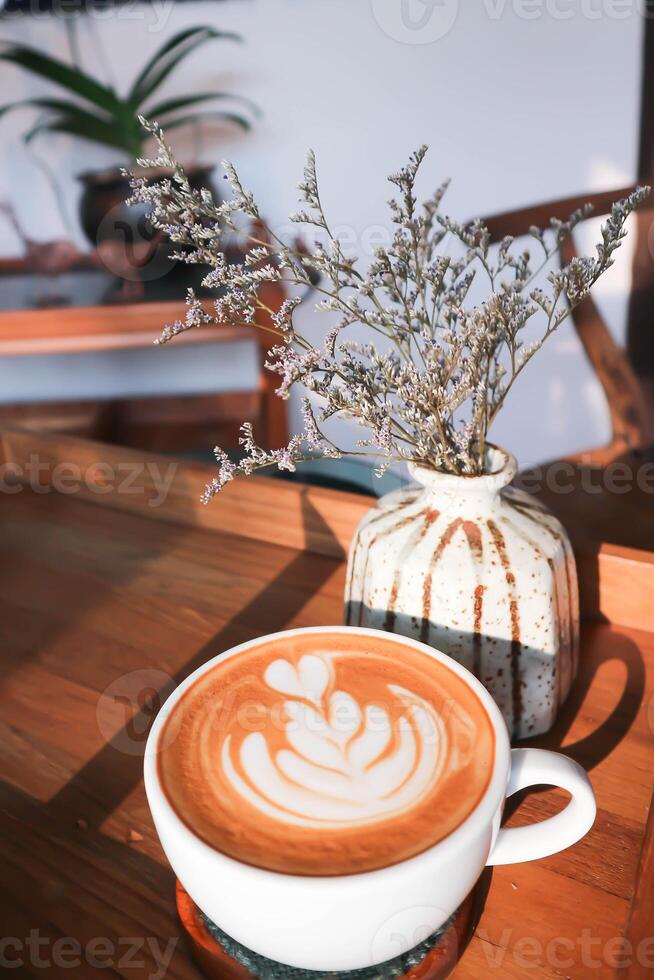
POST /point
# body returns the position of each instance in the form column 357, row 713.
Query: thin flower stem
column 433, row 391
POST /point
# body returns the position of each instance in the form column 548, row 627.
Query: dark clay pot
column 102, row 209
column 124, row 235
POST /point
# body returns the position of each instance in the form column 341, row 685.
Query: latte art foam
column 346, row 764
column 326, row 753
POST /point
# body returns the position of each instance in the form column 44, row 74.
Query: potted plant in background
column 460, row 559
column 92, row 110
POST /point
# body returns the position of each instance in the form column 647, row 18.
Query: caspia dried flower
column 436, row 369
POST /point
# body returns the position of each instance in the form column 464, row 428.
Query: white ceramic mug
column 353, row 921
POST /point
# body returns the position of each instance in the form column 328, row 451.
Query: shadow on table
column 105, row 780
column 114, row 774
column 593, row 748
column 605, row 499
column 68, row 827
column 590, row 750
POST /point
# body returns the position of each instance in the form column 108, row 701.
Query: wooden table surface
column 107, row 601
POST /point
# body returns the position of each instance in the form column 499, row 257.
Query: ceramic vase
column 481, row 571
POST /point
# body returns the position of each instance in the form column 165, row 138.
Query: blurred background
column 522, row 102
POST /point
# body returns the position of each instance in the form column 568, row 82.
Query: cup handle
column 533, row 767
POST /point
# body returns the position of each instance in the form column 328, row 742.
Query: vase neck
column 501, row 467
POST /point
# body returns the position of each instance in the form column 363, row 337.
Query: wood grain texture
column 107, row 602
column 616, row 581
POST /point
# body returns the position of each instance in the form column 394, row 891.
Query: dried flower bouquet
column 436, row 370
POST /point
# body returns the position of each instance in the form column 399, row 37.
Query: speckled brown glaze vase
column 481, row 571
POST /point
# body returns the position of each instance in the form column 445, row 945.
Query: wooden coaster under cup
column 222, row 958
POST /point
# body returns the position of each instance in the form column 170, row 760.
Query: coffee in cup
column 326, row 754
column 329, row 796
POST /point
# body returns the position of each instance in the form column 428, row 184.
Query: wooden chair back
column 630, row 422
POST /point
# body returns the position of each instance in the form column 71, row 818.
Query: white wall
column 518, row 101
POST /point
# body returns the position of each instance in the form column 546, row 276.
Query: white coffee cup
column 349, row 922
